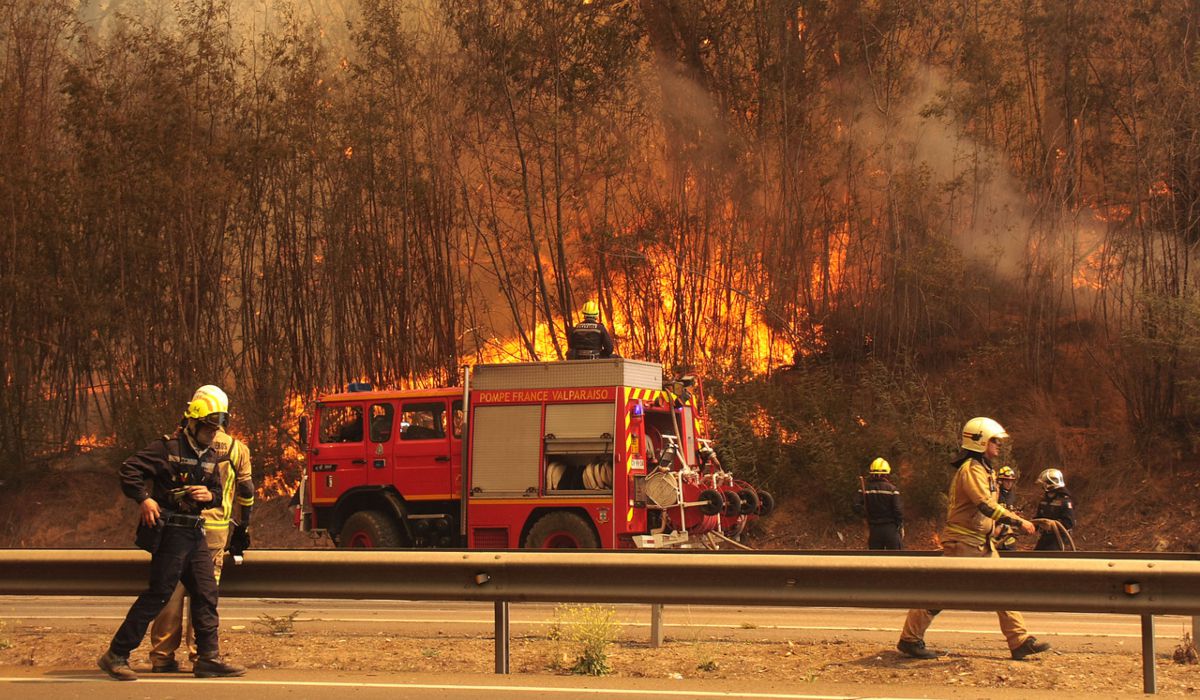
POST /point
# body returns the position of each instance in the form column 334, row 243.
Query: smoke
column 985, row 210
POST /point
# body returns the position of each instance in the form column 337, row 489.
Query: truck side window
column 381, row 422
column 457, row 412
column 341, row 424
column 423, row 421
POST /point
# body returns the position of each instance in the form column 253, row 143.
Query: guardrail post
column 502, row 637
column 1148, row 680
column 656, row 625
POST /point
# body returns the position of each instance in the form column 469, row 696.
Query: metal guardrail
column 1144, row 587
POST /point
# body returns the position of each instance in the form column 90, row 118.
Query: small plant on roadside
column 1186, row 653
column 4, row 643
column 278, row 626
column 708, row 665
column 749, row 626
column 431, row 653
column 587, row 630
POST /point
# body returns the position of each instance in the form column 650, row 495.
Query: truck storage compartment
column 578, row 447
column 505, row 458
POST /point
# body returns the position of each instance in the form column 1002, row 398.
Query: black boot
column 214, row 667
column 1029, row 647
column 916, row 649
column 116, row 666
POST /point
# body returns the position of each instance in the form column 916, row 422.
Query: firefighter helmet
column 209, row 405
column 1006, row 472
column 1051, row 479
column 978, row 431
column 591, row 311
column 880, row 466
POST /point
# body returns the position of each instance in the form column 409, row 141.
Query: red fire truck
column 594, row 454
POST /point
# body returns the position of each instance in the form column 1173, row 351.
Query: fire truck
column 589, row 454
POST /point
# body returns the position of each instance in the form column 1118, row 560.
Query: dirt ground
column 833, row 660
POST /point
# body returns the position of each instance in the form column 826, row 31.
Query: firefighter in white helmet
column 1057, row 505
column 173, row 479
column 226, row 529
column 879, row 502
column 971, row 518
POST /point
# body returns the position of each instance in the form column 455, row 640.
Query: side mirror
column 303, row 432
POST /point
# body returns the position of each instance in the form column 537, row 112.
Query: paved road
column 1070, row 631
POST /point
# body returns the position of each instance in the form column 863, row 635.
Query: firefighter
column 1006, row 537
column 1056, row 505
column 226, row 528
column 879, row 503
column 970, row 520
column 173, row 479
column 590, row 339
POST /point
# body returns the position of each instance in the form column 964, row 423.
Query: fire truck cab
column 592, row 454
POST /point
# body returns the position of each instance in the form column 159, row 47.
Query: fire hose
column 1060, row 531
column 735, row 543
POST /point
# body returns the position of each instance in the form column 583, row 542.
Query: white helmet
column 1051, row 479
column 978, row 431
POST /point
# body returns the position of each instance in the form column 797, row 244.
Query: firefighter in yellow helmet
column 589, row 339
column 226, row 529
column 879, row 502
column 174, row 479
column 1006, row 478
column 970, row 521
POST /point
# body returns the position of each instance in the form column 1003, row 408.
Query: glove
column 239, row 542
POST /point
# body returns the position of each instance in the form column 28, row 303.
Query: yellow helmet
column 209, row 404
column 591, row 310
column 880, row 466
column 978, row 431
column 1006, row 472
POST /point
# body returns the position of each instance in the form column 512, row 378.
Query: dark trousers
column 886, row 536
column 181, row 557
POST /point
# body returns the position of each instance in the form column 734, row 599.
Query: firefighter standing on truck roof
column 172, row 479
column 589, row 339
column 879, row 502
column 1056, row 505
column 226, row 527
column 1006, row 536
column 970, row 520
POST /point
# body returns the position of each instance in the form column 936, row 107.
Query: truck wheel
column 561, row 531
column 713, row 501
column 749, row 501
column 369, row 529
column 766, row 503
column 733, row 504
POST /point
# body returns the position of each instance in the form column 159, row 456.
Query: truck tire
column 713, row 501
column 749, row 501
column 733, row 504
column 766, row 503
column 561, row 530
column 369, row 529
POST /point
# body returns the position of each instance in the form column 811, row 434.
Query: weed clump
column 586, row 631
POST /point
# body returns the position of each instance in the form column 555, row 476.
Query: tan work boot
column 216, row 668
column 116, row 666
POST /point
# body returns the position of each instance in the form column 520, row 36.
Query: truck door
column 422, row 453
column 381, row 423
column 339, row 460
